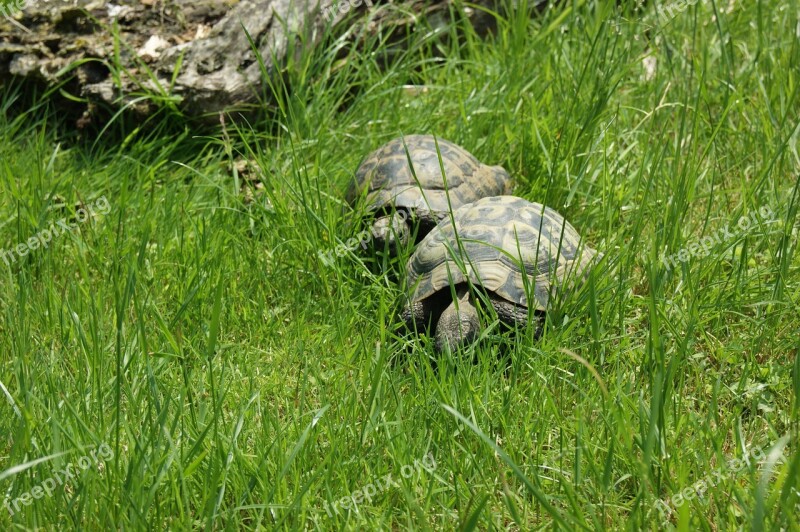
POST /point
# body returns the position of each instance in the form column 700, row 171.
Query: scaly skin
column 458, row 325
column 392, row 231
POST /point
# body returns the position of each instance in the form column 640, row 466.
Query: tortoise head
column 391, row 231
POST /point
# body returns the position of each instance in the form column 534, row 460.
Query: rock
column 192, row 54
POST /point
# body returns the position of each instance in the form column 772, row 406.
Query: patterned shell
column 387, row 179
column 495, row 233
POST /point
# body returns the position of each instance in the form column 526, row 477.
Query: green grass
column 241, row 382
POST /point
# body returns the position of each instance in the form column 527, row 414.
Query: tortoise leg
column 392, row 231
column 415, row 315
column 513, row 314
column 459, row 324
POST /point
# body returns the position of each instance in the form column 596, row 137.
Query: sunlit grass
column 241, row 381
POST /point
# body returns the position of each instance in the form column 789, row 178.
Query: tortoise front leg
column 513, row 314
column 416, row 315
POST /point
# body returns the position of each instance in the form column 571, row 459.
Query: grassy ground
column 184, row 358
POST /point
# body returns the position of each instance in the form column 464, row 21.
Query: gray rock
column 191, row 54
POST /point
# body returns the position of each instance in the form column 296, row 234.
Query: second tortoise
column 517, row 252
column 405, row 188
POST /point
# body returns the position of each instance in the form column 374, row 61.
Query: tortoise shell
column 387, row 179
column 498, row 236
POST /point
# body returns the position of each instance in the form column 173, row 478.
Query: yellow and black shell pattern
column 386, row 178
column 507, row 245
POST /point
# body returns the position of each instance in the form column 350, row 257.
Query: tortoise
column 401, row 198
column 496, row 237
